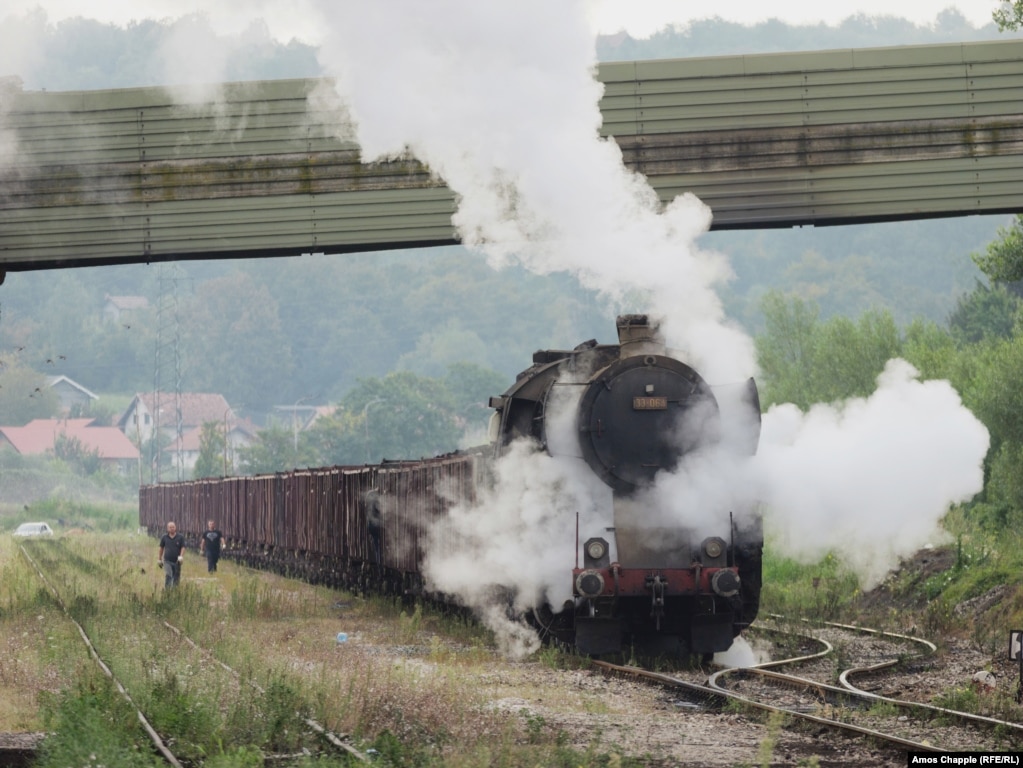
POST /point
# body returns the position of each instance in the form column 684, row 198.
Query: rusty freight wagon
column 314, row 523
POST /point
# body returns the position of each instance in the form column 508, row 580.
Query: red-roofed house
column 39, row 436
column 139, row 422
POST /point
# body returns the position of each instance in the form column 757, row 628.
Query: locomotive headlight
column 596, row 553
column 713, row 547
column 589, row 583
column 725, row 583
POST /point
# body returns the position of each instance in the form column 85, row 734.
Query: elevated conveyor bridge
column 774, row 140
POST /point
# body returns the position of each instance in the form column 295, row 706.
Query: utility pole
column 167, row 365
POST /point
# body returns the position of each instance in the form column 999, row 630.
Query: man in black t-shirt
column 172, row 553
column 210, row 543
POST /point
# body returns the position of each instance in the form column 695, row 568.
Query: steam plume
column 501, row 102
column 872, row 478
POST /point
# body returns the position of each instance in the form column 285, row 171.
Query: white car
column 34, row 529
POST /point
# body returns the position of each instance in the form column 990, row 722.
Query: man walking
column 210, row 544
column 172, row 553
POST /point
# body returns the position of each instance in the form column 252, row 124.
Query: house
column 139, row 422
column 119, row 308
column 71, row 393
column 39, row 437
column 240, row 433
column 149, row 409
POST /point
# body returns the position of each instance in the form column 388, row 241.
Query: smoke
column 741, row 654
column 21, row 50
column 513, row 550
column 870, row 479
column 500, row 100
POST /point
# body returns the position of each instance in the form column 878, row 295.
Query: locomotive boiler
column 663, row 574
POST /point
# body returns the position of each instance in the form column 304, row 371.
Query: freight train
column 656, row 569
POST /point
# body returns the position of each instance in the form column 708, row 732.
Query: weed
column 765, row 751
column 91, row 725
column 535, row 725
column 408, row 626
column 939, row 619
column 172, row 708
column 883, row 708
column 822, row 592
column 962, row 699
column 550, row 657
column 241, row 757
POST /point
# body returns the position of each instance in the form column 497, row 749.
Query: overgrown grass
column 91, row 724
column 821, row 591
column 416, row 704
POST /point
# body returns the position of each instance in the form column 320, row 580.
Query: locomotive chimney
column 639, row 335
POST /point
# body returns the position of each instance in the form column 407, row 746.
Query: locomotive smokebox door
column 641, row 415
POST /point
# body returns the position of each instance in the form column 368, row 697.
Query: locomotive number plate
column 649, row 403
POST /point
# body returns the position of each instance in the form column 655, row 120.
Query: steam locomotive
column 654, row 570
column 668, row 580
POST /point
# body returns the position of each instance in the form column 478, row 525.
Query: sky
column 640, row 18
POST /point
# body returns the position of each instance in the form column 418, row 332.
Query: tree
column 931, row 350
column 786, row 349
column 1002, row 262
column 470, row 387
column 850, row 355
column 24, row 396
column 401, row 416
column 984, row 313
column 993, row 392
column 211, row 461
column 233, row 328
column 404, row 416
column 439, row 349
column 72, row 452
column 275, row 451
column 153, row 454
column 336, row 438
column 1009, row 15
column 805, row 361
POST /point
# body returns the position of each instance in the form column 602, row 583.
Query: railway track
column 844, row 653
column 84, row 581
column 822, row 680
column 157, row 741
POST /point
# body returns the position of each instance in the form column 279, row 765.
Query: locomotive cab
column 636, row 412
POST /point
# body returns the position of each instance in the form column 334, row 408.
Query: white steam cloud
column 516, row 546
column 871, row 479
column 500, row 101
